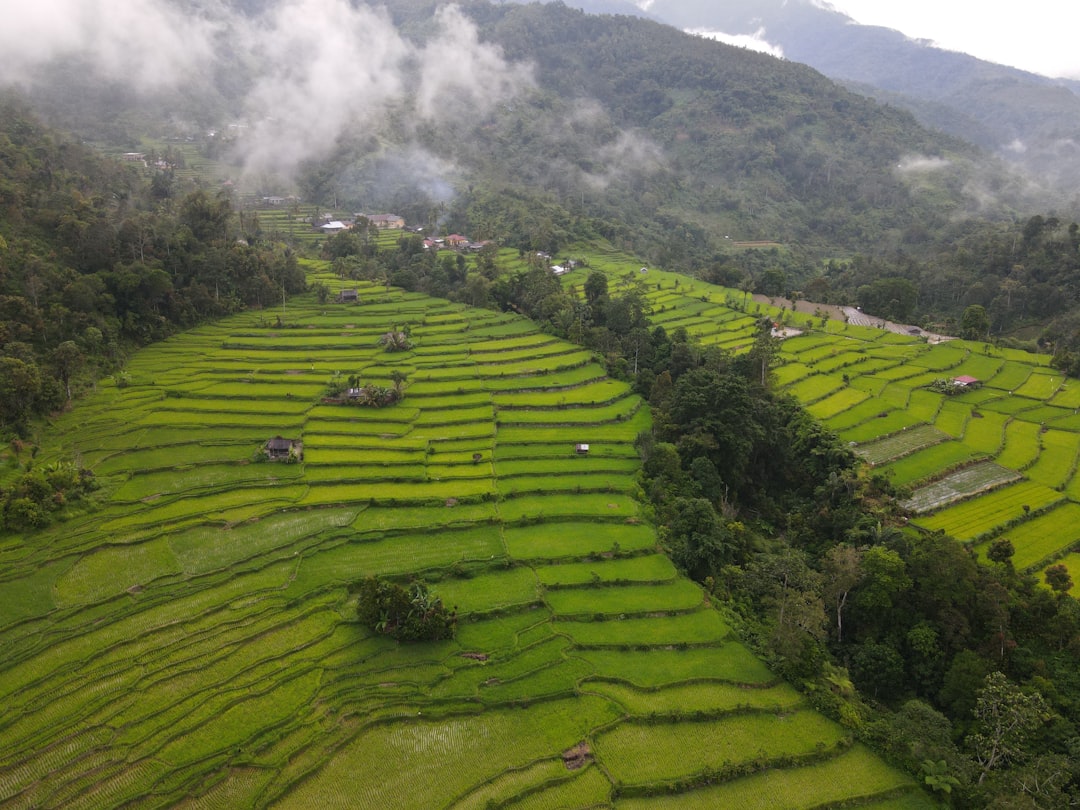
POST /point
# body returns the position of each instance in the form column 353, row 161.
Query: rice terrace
column 193, row 643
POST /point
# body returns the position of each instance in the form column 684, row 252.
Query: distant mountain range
column 1029, row 120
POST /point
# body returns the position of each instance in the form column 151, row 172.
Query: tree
column 395, row 341
column 1057, row 577
column 700, row 543
column 399, row 377
column 763, row 352
column 936, row 776
column 66, row 358
column 20, row 385
column 878, row 670
column 413, row 614
column 1005, row 718
column 596, row 292
column 1001, row 551
column 975, row 323
column 842, row 570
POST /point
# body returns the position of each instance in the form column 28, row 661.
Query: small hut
column 581, row 449
column 967, row 381
column 282, row 449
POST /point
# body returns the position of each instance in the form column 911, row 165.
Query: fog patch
column 146, row 44
column 921, row 164
column 627, row 155
column 459, row 76
column 753, row 42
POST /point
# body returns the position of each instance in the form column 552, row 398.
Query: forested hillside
column 95, row 260
column 662, row 140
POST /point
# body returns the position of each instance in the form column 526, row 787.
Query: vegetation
column 768, row 509
column 291, row 582
column 95, row 261
column 36, row 496
column 406, row 614
column 572, row 639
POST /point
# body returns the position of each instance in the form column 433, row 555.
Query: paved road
column 860, row 318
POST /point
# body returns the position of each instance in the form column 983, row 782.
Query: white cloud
column 149, row 44
column 921, row 164
column 326, row 67
column 753, row 42
column 1038, row 35
column 459, row 75
column 322, row 68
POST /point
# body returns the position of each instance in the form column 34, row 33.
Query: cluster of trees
column 371, row 395
column 405, row 614
column 977, row 278
column 37, row 496
column 95, row 258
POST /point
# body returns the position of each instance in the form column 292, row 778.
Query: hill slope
column 194, row 642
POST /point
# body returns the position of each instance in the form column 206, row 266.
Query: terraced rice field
column 193, row 643
column 1012, row 442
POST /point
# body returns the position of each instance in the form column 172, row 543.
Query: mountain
column 1027, row 119
column 606, row 123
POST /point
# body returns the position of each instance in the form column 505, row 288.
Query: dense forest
column 95, row 260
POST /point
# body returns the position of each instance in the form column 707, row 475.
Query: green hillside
column 972, row 459
column 194, row 641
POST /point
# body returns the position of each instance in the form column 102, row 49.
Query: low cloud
column 628, row 155
column 323, row 69
column 459, row 76
column 147, row 44
column 752, row 42
column 921, row 164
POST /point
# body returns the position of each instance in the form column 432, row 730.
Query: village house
column 385, row 221
column 333, row 226
column 456, row 241
column 966, row 381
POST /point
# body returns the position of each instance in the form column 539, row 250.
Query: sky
column 1042, row 36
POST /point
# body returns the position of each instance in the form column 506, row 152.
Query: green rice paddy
column 193, row 642
column 1011, row 442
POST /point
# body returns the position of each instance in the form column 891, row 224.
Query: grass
column 502, row 741
column 968, row 520
column 636, row 754
column 1021, row 447
column 1043, row 537
column 575, row 539
column 855, row 774
column 732, row 663
column 677, row 595
column 901, row 444
column 691, row 698
column 647, row 568
column 929, row 461
column 699, row 627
